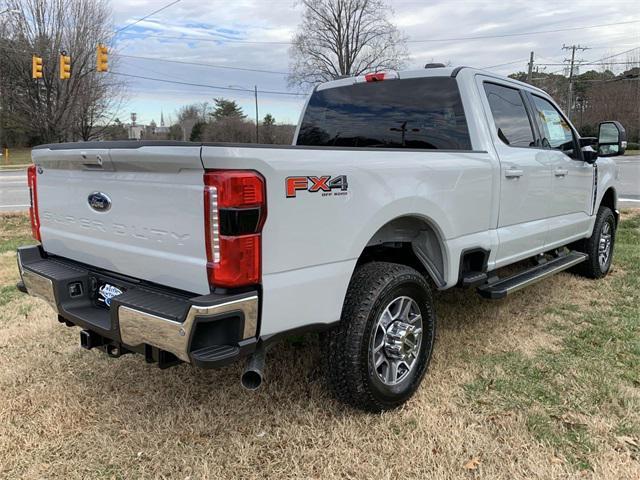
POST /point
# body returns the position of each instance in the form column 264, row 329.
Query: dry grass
column 509, row 388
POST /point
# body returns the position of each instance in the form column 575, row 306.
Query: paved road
column 14, row 194
column 629, row 192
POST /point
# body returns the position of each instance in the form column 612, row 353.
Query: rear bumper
column 166, row 326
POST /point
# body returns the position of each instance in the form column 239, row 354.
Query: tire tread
column 345, row 370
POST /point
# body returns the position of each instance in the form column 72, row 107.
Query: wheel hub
column 396, row 340
column 604, row 246
column 402, row 340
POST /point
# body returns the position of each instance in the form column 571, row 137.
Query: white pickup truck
column 397, row 185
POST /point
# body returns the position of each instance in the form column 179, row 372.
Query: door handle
column 513, row 173
column 561, row 172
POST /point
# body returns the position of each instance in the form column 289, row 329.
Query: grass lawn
column 542, row 385
column 632, row 152
column 17, row 156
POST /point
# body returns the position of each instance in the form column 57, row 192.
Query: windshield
column 419, row 113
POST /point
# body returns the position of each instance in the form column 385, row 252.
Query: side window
column 554, row 129
column 509, row 115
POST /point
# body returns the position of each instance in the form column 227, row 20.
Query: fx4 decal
column 324, row 183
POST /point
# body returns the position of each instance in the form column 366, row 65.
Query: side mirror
column 612, row 139
column 589, row 155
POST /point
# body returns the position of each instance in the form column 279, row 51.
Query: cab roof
column 423, row 73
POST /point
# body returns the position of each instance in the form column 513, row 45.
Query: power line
column 199, row 64
column 520, row 60
column 451, row 39
column 145, row 17
column 204, row 39
column 217, row 87
column 523, row 33
column 617, row 54
column 257, row 70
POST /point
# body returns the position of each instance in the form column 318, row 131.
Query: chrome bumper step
column 166, row 325
column 502, row 287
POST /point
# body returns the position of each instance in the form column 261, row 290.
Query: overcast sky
column 221, row 32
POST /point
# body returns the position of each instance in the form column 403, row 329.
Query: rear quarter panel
column 312, row 241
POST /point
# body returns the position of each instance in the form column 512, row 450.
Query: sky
column 254, row 34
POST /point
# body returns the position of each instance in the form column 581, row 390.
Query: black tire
column 348, row 348
column 592, row 267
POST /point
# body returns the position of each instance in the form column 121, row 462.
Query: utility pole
column 573, row 49
column 255, row 91
column 530, row 72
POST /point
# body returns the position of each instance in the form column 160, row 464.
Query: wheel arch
column 413, row 240
column 610, row 199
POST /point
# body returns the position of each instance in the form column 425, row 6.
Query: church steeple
column 161, row 118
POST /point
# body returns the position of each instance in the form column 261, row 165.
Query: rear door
column 525, row 177
column 133, row 210
column 572, row 178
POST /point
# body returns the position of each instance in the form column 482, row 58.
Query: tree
column 226, row 109
column 197, row 132
column 189, row 115
column 267, row 132
column 230, row 129
column 176, row 132
column 51, row 110
column 268, row 120
column 193, row 112
column 115, row 131
column 344, row 38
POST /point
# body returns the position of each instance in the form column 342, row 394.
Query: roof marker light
column 374, row 77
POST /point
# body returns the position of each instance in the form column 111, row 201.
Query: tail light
column 374, row 77
column 33, row 209
column 235, row 210
column 379, row 76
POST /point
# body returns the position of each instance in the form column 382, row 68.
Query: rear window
column 421, row 113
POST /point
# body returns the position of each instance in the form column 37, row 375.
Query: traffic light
column 102, row 58
column 65, row 66
column 36, row 67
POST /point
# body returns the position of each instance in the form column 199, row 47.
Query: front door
column 572, row 179
column 525, row 176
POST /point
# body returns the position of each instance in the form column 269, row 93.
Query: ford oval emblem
column 99, row 201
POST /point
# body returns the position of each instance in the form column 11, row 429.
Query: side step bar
column 502, row 287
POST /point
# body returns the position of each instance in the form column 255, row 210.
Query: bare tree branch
column 344, row 38
column 50, row 109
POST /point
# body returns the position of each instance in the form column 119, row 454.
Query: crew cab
column 398, row 185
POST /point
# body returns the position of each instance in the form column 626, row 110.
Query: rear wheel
column 599, row 246
column 378, row 355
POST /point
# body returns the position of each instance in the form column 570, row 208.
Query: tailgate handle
column 91, row 162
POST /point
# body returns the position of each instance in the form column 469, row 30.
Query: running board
column 502, row 287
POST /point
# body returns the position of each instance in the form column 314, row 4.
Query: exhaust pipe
column 253, row 374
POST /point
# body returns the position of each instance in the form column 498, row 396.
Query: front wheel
column 599, row 246
column 377, row 356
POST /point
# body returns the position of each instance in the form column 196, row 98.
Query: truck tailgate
column 147, row 216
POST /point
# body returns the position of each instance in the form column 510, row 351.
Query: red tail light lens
column 33, row 209
column 235, row 211
column 374, row 77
